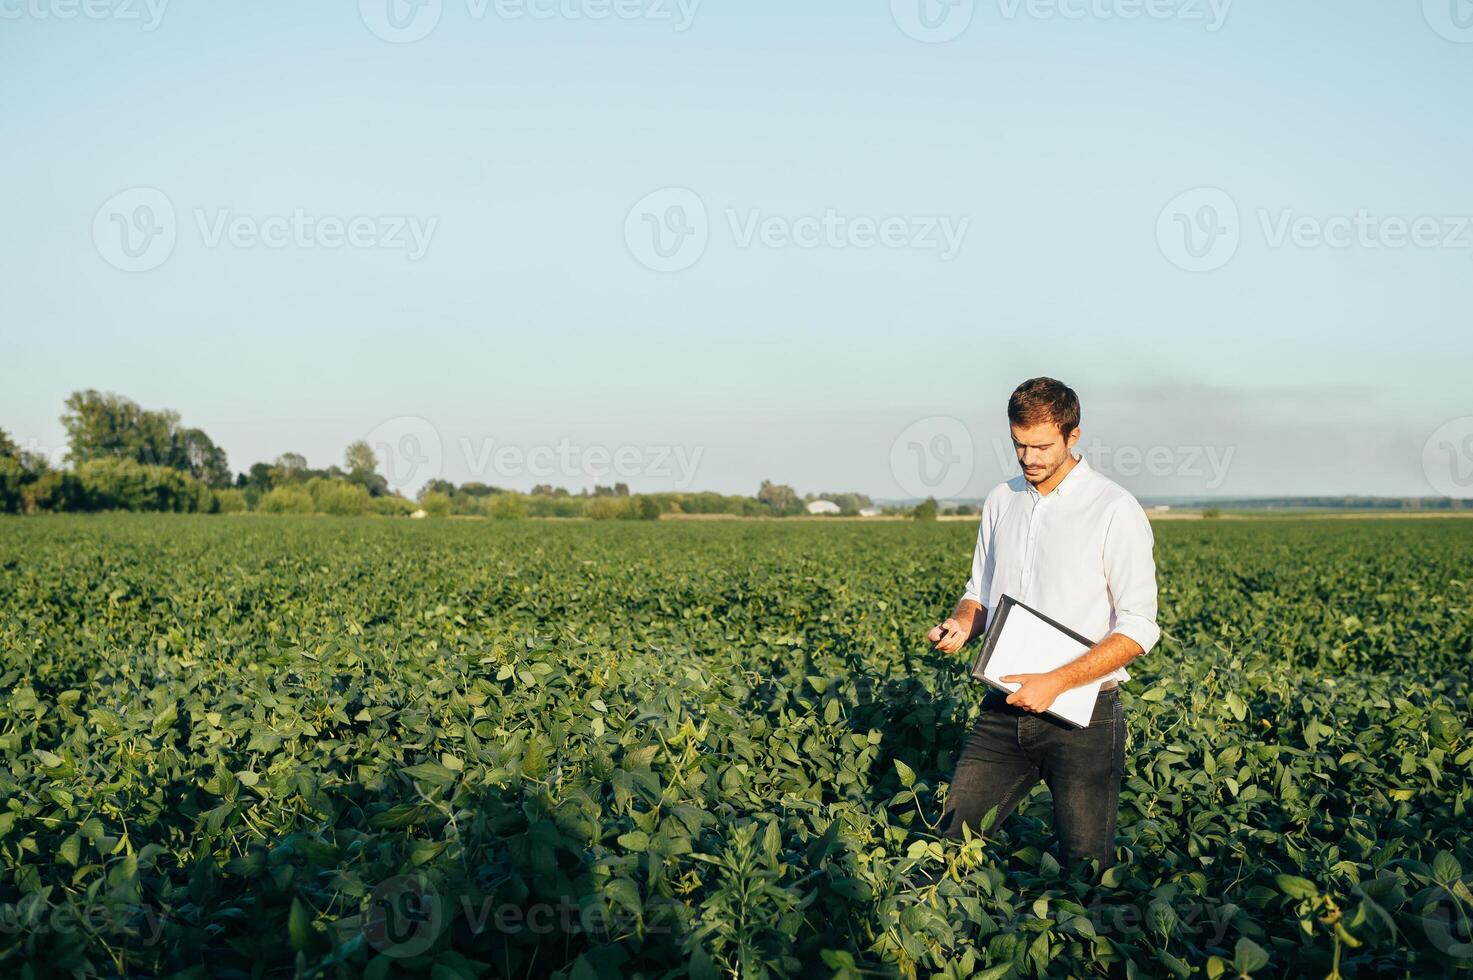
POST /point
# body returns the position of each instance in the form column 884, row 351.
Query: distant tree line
column 121, row 456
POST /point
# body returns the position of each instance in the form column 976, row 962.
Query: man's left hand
column 1037, row 693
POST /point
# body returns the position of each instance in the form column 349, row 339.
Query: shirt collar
column 1064, row 484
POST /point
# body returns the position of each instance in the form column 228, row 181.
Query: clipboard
column 1022, row 640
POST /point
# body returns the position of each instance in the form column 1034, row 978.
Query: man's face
column 1041, row 450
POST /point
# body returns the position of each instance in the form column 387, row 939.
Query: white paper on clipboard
column 1020, row 640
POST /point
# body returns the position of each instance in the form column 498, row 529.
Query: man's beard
column 1042, row 477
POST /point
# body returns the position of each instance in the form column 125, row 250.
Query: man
column 1076, row 546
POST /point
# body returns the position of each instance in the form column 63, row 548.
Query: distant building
column 822, row 507
column 870, row 512
column 1160, row 507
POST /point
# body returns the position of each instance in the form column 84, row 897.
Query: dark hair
column 1040, row 400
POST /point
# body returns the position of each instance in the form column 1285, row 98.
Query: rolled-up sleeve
column 1130, row 574
column 979, row 583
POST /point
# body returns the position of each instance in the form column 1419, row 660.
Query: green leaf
column 165, row 719
column 635, row 840
column 582, row 970
column 430, row 772
column 1296, row 887
column 1248, row 956
column 399, row 816
column 299, row 925
column 1445, row 868
column 624, row 892
column 70, row 850
column 907, row 774
column 534, row 762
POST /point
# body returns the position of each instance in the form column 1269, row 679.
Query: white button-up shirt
column 1080, row 554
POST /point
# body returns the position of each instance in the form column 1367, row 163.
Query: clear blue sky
column 1058, row 135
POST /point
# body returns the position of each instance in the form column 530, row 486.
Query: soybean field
column 255, row 747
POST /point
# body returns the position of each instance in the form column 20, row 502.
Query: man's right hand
column 948, row 637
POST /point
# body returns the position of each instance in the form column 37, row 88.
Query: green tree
column 286, row 500
column 780, row 498
column 359, row 458
column 105, row 425
column 337, row 497
column 362, row 467
column 926, row 510
column 443, row 487
column 474, row 489
column 229, row 500
column 204, row 460
column 12, row 485
column 257, row 478
column 505, row 506
column 436, row 504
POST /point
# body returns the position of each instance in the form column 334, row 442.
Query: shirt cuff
column 1140, row 629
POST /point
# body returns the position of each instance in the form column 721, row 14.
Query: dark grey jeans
column 1009, row 749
